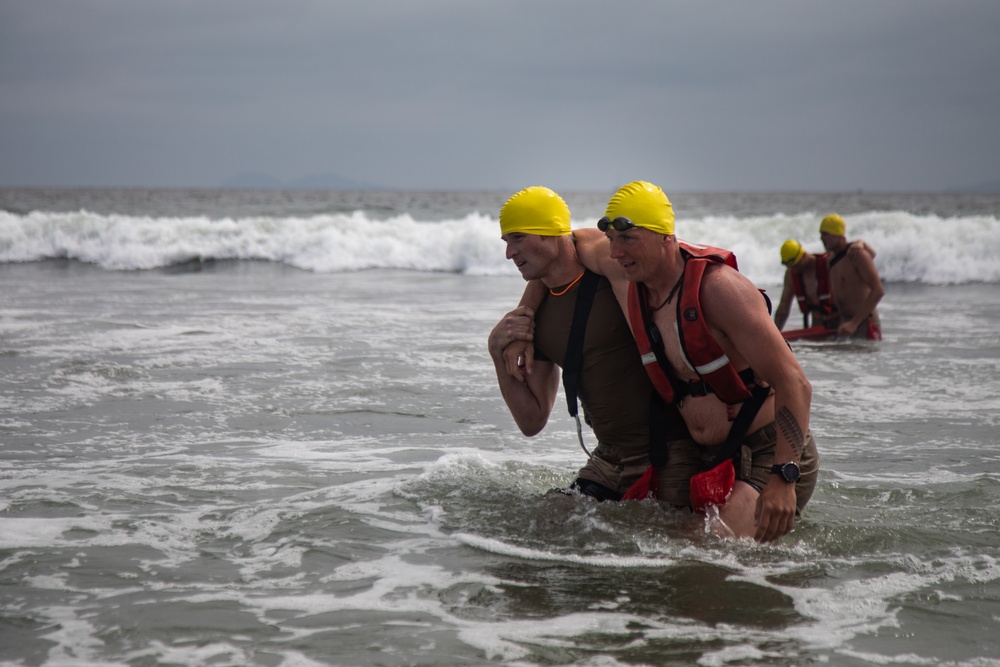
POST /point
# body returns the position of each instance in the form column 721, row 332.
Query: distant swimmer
column 854, row 281
column 807, row 279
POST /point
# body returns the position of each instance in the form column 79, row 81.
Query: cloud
column 446, row 94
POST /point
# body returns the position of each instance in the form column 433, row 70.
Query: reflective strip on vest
column 713, row 366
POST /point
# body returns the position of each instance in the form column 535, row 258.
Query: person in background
column 854, row 281
column 807, row 279
column 613, row 387
column 711, row 349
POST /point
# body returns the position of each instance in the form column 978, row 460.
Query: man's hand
column 774, row 515
column 512, row 340
column 847, row 329
column 858, row 247
column 519, row 358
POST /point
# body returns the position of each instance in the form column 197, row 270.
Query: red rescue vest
column 823, row 291
column 701, row 352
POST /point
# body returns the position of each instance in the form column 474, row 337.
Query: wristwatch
column 788, row 471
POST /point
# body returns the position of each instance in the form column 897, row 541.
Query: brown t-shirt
column 614, row 388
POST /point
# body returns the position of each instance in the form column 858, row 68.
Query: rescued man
column 613, row 387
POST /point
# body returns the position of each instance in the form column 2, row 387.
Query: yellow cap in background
column 833, row 224
column 791, row 252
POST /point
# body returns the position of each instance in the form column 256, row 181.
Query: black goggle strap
column 620, row 224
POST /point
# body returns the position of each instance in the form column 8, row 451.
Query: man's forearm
column 791, row 419
column 530, row 412
column 533, row 295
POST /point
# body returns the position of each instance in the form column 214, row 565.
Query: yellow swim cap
column 833, row 224
column 791, row 252
column 645, row 205
column 535, row 210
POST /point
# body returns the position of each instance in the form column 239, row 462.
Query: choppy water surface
column 236, row 462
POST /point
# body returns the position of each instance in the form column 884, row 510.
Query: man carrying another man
column 807, row 278
column 710, row 348
column 854, row 282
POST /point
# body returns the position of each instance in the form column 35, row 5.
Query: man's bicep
column 738, row 309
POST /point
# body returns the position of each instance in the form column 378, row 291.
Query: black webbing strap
column 767, row 300
column 731, row 449
column 836, row 259
column 656, row 342
column 574, row 345
column 657, row 430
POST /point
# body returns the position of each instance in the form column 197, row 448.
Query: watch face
column 788, row 471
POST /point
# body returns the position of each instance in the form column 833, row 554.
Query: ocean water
column 262, row 428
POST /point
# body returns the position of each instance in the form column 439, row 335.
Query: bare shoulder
column 726, row 289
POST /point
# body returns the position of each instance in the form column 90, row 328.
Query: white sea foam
column 611, row 560
column 911, row 248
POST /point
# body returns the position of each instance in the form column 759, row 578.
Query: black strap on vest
column 836, row 258
column 657, row 430
column 574, row 346
column 731, row 449
column 767, row 300
column 656, row 342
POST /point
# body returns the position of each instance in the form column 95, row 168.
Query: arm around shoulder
column 592, row 249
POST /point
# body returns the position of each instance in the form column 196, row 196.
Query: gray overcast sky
column 465, row 94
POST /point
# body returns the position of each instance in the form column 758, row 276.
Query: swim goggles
column 620, row 224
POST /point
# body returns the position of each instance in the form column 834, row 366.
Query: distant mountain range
column 263, row 180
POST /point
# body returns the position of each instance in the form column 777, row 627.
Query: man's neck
column 840, row 246
column 665, row 279
column 562, row 277
column 564, row 271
